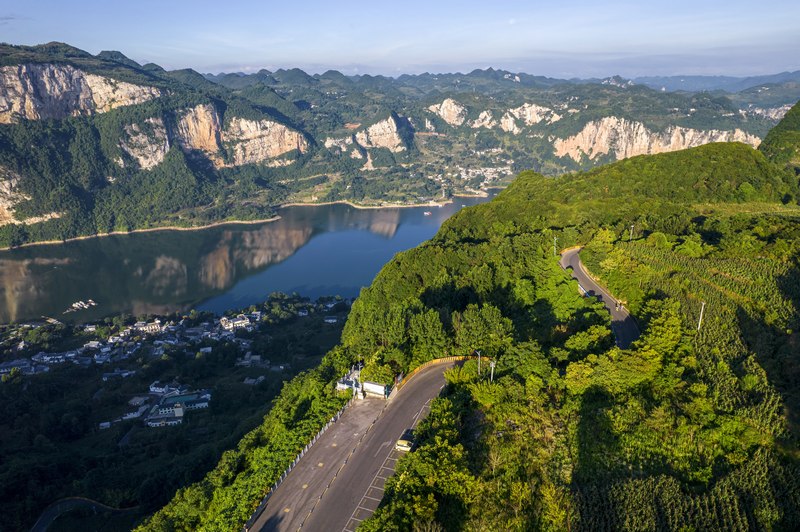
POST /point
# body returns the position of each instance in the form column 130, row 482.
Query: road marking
column 384, row 444
column 373, row 498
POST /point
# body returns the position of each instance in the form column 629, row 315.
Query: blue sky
column 561, row 39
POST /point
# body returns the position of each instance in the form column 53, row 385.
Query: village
column 121, row 354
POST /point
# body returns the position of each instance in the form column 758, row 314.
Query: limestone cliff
column 509, row 124
column 450, row 111
column 147, row 144
column 531, row 114
column 485, row 119
column 248, row 141
column 254, row 141
column 11, row 196
column 42, row 91
column 392, row 134
column 625, row 138
column 199, row 130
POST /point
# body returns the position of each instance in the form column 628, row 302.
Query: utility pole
column 491, row 365
column 631, row 237
column 700, row 321
column 554, row 245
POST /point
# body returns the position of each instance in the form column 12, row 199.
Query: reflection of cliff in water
column 160, row 272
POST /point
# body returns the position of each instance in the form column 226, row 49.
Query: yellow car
column 406, row 442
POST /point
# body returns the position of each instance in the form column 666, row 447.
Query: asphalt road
column 338, row 506
column 337, row 477
column 294, row 499
column 622, row 324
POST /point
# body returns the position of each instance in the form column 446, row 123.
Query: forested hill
column 782, row 144
column 689, row 428
column 99, row 143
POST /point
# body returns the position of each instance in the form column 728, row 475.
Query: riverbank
column 146, row 230
column 483, row 194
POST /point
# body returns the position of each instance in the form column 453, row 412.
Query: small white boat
column 427, row 213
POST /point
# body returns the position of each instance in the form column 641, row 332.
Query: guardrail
column 250, row 522
column 432, row 363
column 263, row 504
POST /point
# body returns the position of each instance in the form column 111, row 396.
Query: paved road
column 622, row 324
column 338, row 474
column 337, row 507
column 291, row 503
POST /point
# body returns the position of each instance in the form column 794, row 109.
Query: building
column 230, row 324
column 153, row 327
column 160, row 388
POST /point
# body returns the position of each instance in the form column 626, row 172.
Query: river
column 311, row 250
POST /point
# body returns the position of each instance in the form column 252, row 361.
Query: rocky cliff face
column 41, row 91
column 485, row 119
column 626, row 138
column 509, row 124
column 199, row 129
column 9, row 196
column 257, row 141
column 531, row 114
column 147, row 144
column 249, row 141
column 384, row 134
column 450, row 111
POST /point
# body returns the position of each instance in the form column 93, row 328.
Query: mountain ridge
column 108, row 130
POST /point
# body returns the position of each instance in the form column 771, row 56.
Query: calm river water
column 320, row 250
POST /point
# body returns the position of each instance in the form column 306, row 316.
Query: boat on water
column 427, row 213
column 80, row 305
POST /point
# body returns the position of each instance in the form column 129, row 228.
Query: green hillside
column 687, row 429
column 782, row 144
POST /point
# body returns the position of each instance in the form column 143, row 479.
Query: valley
column 96, row 144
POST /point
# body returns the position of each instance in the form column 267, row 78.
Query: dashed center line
column 383, row 470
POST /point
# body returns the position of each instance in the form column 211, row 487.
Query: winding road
column 622, row 324
column 339, row 482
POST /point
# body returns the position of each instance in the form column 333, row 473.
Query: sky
column 577, row 38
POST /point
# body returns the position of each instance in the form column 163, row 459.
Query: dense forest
column 690, row 428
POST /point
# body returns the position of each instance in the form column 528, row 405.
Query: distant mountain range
column 717, row 83
column 99, row 143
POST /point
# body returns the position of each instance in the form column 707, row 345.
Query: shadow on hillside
column 778, row 350
column 778, row 353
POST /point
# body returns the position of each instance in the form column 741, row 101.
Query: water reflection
column 223, row 266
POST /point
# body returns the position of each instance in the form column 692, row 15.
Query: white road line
column 373, row 498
